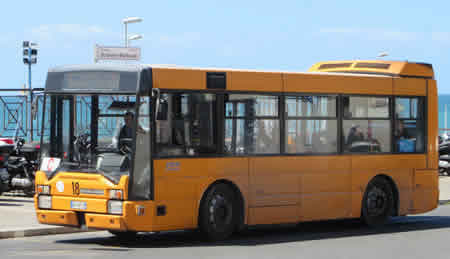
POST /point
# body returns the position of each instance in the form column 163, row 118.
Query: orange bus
column 141, row 148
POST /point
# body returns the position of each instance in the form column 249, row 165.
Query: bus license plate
column 78, row 205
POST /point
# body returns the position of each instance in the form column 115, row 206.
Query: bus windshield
column 94, row 133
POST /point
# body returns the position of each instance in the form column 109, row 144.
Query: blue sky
column 269, row 35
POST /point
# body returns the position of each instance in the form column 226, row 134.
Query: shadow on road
column 10, row 205
column 271, row 235
column 17, row 200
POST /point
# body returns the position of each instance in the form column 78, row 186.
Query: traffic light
column 29, row 52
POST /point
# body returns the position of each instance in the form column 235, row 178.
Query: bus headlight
column 115, row 207
column 43, row 189
column 116, row 194
column 44, row 202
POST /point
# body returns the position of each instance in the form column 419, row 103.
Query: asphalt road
column 423, row 236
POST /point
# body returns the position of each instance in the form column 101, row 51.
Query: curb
column 40, row 232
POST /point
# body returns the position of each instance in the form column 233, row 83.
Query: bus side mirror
column 162, row 112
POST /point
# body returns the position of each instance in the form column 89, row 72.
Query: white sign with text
column 116, row 53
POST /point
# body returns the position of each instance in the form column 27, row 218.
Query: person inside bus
column 404, row 142
column 126, row 132
column 354, row 135
column 400, row 131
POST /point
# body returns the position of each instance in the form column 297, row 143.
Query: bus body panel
column 426, row 191
column 93, row 189
column 253, row 81
column 410, row 86
column 175, row 78
column 314, row 184
column 432, row 118
column 181, row 184
column 399, row 168
column 350, row 84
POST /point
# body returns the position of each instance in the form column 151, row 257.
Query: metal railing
column 16, row 113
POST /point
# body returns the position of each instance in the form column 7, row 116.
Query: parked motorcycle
column 5, row 150
column 21, row 167
column 444, row 155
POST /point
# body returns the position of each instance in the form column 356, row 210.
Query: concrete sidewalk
column 18, row 217
column 444, row 189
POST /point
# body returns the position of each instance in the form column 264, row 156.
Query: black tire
column 124, row 235
column 378, row 202
column 30, row 191
column 219, row 213
column 3, row 186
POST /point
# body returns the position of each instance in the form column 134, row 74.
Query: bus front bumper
column 80, row 220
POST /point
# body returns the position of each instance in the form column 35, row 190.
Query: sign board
column 116, row 53
column 50, row 164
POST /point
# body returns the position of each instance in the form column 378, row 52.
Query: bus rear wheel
column 218, row 212
column 378, row 202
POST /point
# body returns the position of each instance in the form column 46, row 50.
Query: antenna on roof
column 383, row 54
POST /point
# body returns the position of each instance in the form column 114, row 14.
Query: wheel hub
column 376, row 202
column 220, row 212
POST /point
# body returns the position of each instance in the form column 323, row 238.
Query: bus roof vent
column 372, row 65
column 335, row 65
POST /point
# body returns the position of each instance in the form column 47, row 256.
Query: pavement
column 18, row 217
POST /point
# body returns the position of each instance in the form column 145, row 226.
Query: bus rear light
column 44, row 202
column 43, row 189
column 116, row 194
column 115, row 207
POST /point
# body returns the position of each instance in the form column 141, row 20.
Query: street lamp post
column 30, row 58
column 382, row 55
column 126, row 21
column 134, row 37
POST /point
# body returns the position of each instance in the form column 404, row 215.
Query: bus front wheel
column 218, row 212
column 378, row 202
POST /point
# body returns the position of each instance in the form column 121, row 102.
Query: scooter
column 22, row 165
column 444, row 155
column 5, row 150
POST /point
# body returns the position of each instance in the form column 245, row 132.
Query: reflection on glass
column 234, row 136
column 366, row 107
column 406, row 108
column 307, row 106
column 266, row 135
column 311, row 136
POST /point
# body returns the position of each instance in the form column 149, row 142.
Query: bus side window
column 409, row 125
column 190, row 128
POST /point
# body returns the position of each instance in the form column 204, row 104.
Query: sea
column 444, row 102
